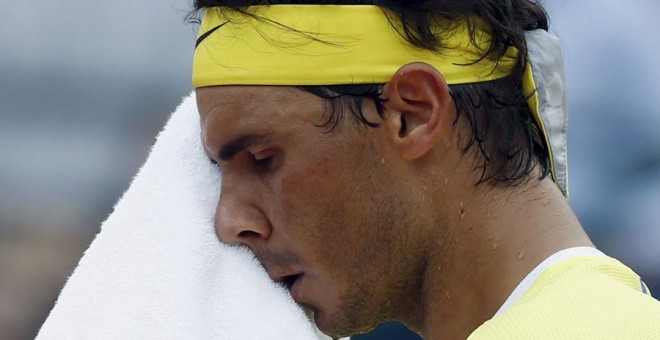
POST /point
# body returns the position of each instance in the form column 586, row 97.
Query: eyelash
column 263, row 163
column 260, row 163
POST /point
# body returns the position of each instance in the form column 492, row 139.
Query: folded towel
column 157, row 271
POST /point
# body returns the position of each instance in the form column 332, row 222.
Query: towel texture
column 157, row 271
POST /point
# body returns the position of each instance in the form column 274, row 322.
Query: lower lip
column 295, row 288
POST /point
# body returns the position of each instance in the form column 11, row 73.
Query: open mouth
column 290, row 280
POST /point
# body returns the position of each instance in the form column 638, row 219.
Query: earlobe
column 419, row 108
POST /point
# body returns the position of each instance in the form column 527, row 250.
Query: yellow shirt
column 588, row 297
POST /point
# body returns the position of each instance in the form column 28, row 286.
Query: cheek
column 310, row 198
column 310, row 182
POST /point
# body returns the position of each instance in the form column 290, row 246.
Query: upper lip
column 284, row 276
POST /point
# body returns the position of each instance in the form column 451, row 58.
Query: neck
column 490, row 239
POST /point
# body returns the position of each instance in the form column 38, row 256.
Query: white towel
column 157, row 271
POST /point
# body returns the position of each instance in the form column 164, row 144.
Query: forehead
column 245, row 104
column 229, row 112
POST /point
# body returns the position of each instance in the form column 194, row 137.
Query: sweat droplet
column 446, row 181
column 495, row 245
column 382, row 160
column 521, row 254
column 461, row 210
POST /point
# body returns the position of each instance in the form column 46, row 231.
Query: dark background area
column 86, row 86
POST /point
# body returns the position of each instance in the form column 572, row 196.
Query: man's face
column 327, row 212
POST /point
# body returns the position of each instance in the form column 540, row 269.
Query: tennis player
column 406, row 161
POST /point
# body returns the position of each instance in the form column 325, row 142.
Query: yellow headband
column 329, row 45
column 338, row 45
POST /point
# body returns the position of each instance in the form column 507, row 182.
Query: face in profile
column 325, row 212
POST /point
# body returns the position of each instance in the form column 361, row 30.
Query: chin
column 337, row 325
column 330, row 326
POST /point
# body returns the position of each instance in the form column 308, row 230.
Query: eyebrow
column 236, row 145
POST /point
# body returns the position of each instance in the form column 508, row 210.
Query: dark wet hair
column 500, row 122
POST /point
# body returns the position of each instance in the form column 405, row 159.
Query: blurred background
column 86, row 86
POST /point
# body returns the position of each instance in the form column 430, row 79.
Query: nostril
column 248, row 234
column 237, row 222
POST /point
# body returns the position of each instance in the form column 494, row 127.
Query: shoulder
column 586, row 298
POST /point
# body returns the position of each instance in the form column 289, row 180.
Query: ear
column 419, row 109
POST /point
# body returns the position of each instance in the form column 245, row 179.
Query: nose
column 239, row 222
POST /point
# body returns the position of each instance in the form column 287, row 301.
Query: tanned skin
column 377, row 224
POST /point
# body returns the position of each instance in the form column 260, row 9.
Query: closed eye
column 264, row 162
